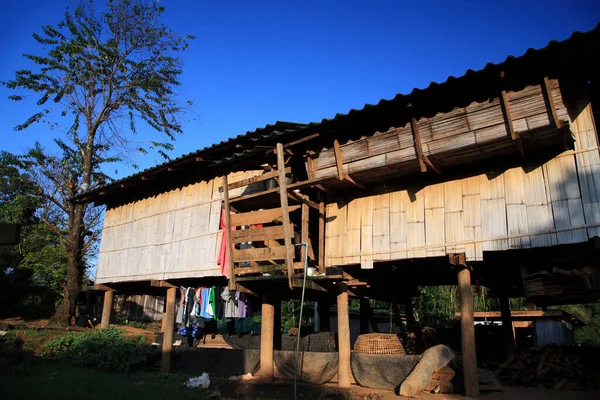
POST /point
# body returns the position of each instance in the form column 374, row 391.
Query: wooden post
column 365, row 311
column 167, row 347
column 409, row 314
column 266, row 339
column 321, row 234
column 304, row 229
column 508, row 332
column 289, row 251
column 228, row 228
column 343, row 319
column 107, row 308
column 467, row 330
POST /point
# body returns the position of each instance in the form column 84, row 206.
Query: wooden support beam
column 298, row 197
column 514, row 135
column 259, row 178
column 551, row 108
column 167, row 347
column 228, row 225
column 414, row 125
column 302, row 140
column 107, row 308
column 258, row 234
column 550, row 103
column 297, row 282
column 355, row 182
column 508, row 332
column 343, row 316
column 467, row 330
column 102, row 287
column 321, row 259
column 339, row 161
column 286, row 215
column 262, row 216
column 260, row 254
column 267, row 329
column 304, row 230
column 357, row 282
column 457, row 259
column 159, row 283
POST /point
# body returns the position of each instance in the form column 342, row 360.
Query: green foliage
column 441, row 303
column 589, row 334
column 100, row 348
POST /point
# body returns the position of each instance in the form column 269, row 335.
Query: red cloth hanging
column 223, row 259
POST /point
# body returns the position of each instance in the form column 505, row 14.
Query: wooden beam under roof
column 514, row 135
column 414, row 125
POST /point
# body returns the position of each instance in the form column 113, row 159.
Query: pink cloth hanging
column 223, row 259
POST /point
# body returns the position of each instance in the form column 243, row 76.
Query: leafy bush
column 100, row 348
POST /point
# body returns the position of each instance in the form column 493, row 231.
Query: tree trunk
column 66, row 308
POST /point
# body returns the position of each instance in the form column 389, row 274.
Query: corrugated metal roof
column 553, row 60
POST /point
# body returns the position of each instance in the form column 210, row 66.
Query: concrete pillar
column 508, row 331
column 169, row 324
column 343, row 320
column 107, row 308
column 467, row 330
column 266, row 339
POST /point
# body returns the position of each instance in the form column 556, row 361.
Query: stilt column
column 467, row 330
column 169, row 316
column 508, row 332
column 343, row 320
column 107, row 308
column 266, row 339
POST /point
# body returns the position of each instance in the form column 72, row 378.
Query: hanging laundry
column 242, row 304
column 211, row 303
column 230, row 309
column 205, row 303
column 223, row 259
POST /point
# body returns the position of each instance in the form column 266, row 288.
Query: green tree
column 101, row 74
column 31, row 273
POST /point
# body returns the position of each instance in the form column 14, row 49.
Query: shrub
column 100, row 348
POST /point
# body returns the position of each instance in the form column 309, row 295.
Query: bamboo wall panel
column 172, row 235
column 557, row 202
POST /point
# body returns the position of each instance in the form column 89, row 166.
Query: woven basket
column 379, row 343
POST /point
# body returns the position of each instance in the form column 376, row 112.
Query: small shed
column 546, row 327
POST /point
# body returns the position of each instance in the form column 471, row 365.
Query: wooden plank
column 398, row 204
column 514, row 135
column 339, row 161
column 267, row 331
column 260, row 254
column 550, row 103
column 289, row 250
column 255, row 179
column 260, row 217
column 344, row 369
column 260, row 269
column 304, row 228
column 302, row 140
column 321, row 233
column 228, row 226
column 167, row 347
column 418, row 145
column 258, row 234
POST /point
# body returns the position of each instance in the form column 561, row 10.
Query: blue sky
column 256, row 62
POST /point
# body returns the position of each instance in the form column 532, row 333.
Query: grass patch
column 62, row 380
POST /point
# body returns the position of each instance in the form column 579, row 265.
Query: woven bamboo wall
column 172, row 235
column 555, row 203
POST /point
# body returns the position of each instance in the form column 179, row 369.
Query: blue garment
column 205, row 293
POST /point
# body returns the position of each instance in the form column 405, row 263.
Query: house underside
column 493, row 178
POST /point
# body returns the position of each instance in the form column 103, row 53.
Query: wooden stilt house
column 491, row 177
